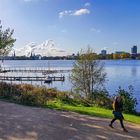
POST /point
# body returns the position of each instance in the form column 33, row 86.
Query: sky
column 113, row 25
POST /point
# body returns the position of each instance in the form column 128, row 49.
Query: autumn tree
column 87, row 74
column 6, row 40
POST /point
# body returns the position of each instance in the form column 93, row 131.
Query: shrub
column 102, row 98
column 33, row 98
column 6, row 90
column 31, row 95
column 26, row 87
column 51, row 92
column 129, row 102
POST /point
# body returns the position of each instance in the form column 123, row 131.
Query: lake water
column 119, row 73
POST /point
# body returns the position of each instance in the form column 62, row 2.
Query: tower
column 134, row 52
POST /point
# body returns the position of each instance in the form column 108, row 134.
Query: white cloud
column 104, row 48
column 74, row 12
column 95, row 30
column 47, row 48
column 87, row 4
column 81, row 12
column 65, row 13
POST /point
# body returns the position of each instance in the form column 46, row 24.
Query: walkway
column 19, row 122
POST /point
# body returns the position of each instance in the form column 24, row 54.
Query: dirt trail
column 19, row 122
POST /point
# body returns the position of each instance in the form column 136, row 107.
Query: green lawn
column 94, row 111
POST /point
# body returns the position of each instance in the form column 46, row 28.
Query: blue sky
column 74, row 24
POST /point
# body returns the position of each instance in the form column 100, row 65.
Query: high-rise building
column 134, row 52
column 103, row 52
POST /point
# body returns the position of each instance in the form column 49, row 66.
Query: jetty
column 29, row 74
column 44, row 71
column 47, row 79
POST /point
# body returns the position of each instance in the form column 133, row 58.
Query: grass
column 93, row 111
column 52, row 98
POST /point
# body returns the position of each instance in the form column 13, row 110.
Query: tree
column 87, row 73
column 6, row 40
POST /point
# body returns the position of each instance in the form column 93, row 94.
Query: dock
column 44, row 71
column 48, row 79
column 29, row 74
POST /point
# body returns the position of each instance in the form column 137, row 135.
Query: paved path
column 19, row 122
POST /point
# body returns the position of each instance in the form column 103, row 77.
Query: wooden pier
column 47, row 79
column 34, row 70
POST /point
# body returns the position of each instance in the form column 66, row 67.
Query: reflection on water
column 134, row 71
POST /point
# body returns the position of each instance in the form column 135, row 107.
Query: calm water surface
column 119, row 73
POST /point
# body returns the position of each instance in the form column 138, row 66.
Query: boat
column 48, row 79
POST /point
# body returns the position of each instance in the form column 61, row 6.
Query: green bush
column 102, row 98
column 129, row 101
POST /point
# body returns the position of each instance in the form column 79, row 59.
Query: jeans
column 121, row 122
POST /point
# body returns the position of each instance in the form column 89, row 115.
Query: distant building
column 103, row 52
column 121, row 55
column 134, row 52
column 38, row 57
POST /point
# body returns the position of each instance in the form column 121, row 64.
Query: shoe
column 111, row 125
column 125, row 130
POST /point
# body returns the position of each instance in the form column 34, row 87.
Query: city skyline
column 35, row 49
column 111, row 25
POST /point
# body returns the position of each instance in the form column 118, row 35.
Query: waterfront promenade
column 19, row 122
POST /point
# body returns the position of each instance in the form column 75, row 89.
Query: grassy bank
column 53, row 98
column 93, row 110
